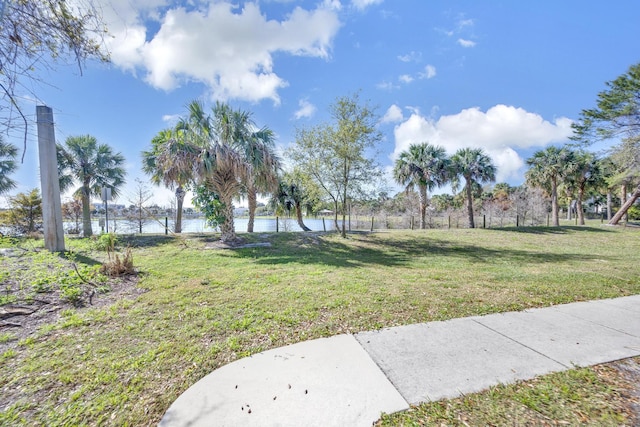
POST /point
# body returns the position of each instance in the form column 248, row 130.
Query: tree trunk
column 470, row 204
column 423, row 206
column 624, row 208
column 253, row 203
column 86, row 213
column 299, row 217
column 609, row 205
column 554, row 204
column 568, row 193
column 335, row 215
column 579, row 211
column 179, row 202
column 227, row 229
column 623, row 199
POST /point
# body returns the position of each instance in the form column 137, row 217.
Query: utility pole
column 51, row 205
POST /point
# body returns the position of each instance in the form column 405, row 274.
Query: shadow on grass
column 553, row 230
column 144, row 240
column 82, row 259
column 359, row 251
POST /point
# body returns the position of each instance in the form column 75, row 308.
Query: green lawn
column 125, row 364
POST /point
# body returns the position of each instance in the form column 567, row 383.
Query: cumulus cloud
column 306, row 109
column 405, row 78
column 428, row 73
column 393, row 115
column 466, row 43
column 228, row 49
column 501, row 130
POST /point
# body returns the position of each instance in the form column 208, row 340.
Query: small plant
column 71, row 293
column 119, row 267
column 106, row 242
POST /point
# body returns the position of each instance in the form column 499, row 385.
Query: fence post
column 324, row 226
column 411, row 222
column 166, row 225
column 484, row 221
column 277, row 227
column 517, row 221
column 372, row 224
column 449, row 219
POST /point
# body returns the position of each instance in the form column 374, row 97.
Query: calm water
column 197, row 225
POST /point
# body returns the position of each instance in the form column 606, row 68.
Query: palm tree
column 546, row 170
column 170, row 162
column 424, row 166
column 258, row 150
column 94, row 165
column 223, row 164
column 585, row 173
column 8, row 165
column 475, row 167
column 294, row 193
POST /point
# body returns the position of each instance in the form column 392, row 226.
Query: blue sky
column 507, row 76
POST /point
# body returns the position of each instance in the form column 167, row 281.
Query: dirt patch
column 627, row 380
column 33, row 292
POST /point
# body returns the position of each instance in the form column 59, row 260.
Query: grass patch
column 586, row 396
column 126, row 363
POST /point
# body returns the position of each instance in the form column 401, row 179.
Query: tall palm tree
column 94, row 166
column 170, row 162
column 257, row 147
column 223, row 165
column 476, row 168
column 8, row 153
column 424, row 166
column 547, row 168
column 586, row 174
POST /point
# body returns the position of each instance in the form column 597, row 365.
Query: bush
column 634, row 213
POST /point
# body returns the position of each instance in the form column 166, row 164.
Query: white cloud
column 501, row 130
column 171, row 118
column 363, row 4
column 410, row 57
column 466, row 43
column 429, row 72
column 405, row 78
column 387, row 86
column 393, row 115
column 228, row 49
column 306, row 109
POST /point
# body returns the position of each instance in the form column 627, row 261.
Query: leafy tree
column 424, row 166
column 170, row 162
column 475, row 167
column 547, row 168
column 25, row 212
column 209, row 204
column 336, row 154
column 8, row 165
column 617, row 114
column 626, row 158
column 81, row 159
column 36, row 33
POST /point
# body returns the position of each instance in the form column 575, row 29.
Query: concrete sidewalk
column 349, row 380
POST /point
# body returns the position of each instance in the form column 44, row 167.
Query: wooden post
column 51, row 205
column 517, row 221
column 324, row 226
column 277, row 226
column 484, row 221
column 372, row 224
column 166, row 225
